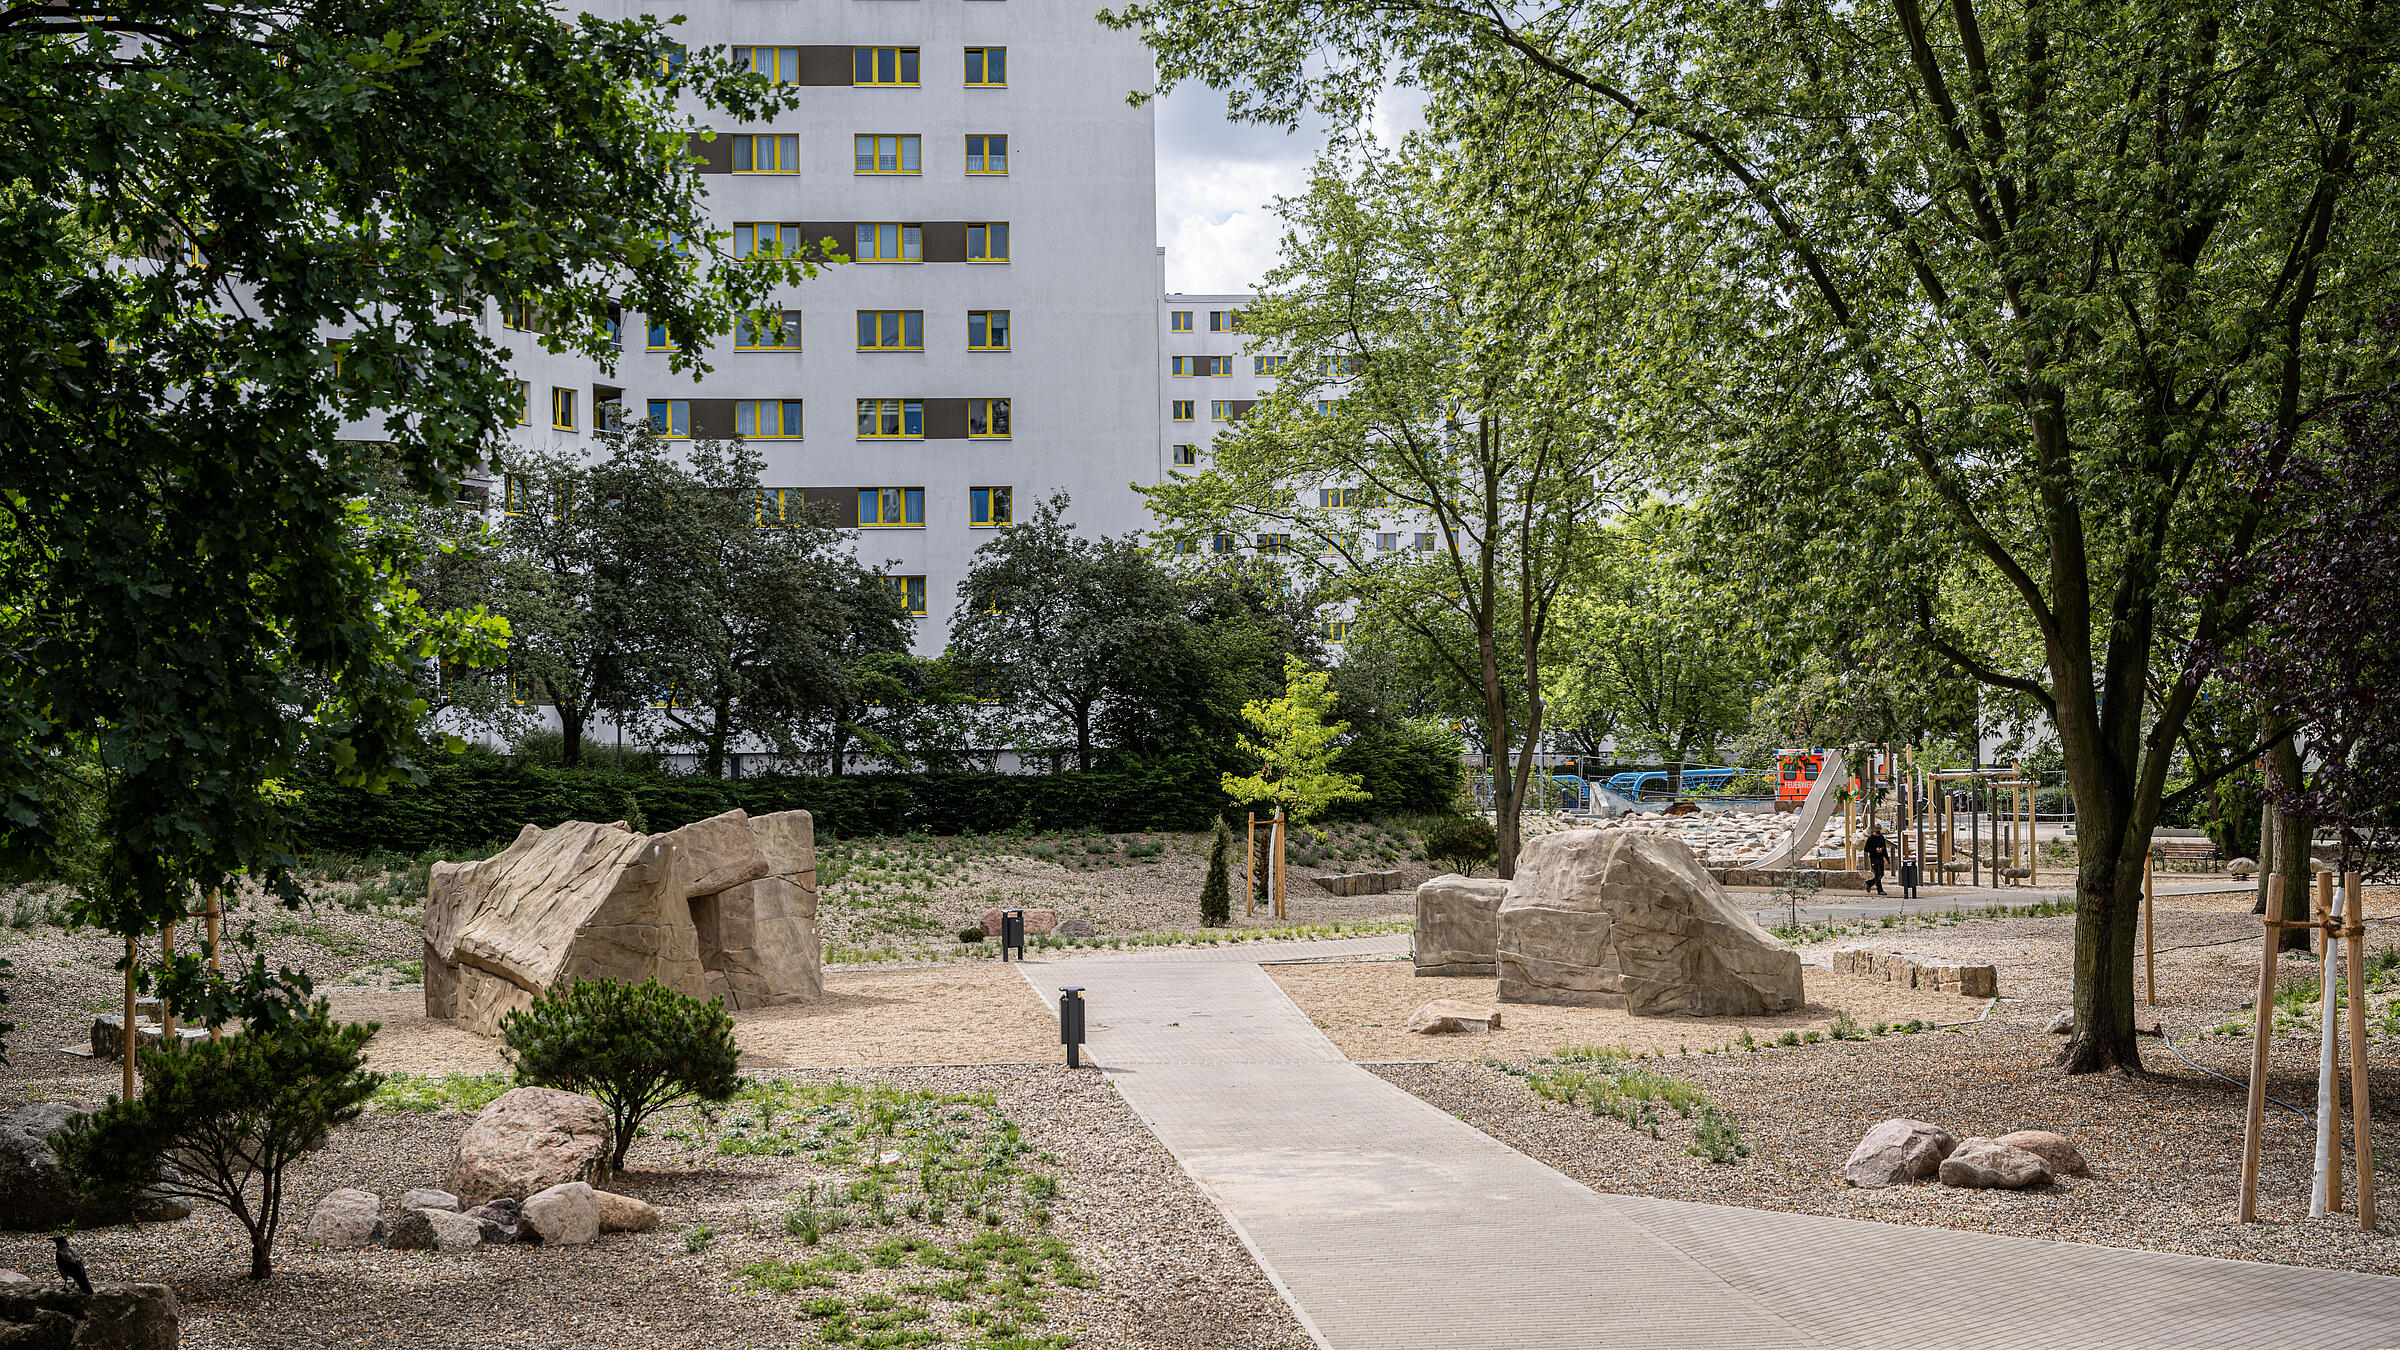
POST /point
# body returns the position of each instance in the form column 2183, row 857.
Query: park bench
column 2167, row 851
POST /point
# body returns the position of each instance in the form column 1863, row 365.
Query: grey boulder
column 435, row 1230
column 1895, row 1152
column 426, row 1197
column 1981, row 1163
column 348, row 1217
column 565, row 1215
column 112, row 1317
column 497, row 1219
column 35, row 1192
column 2057, row 1152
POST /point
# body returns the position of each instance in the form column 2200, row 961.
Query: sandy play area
column 1363, row 1007
column 948, row 1015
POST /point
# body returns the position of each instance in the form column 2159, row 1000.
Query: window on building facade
column 772, row 153
column 991, row 506
column 909, row 591
column 766, row 239
column 1350, row 498
column 889, row 242
column 987, row 154
column 1187, row 455
column 767, row 330
column 891, row 507
column 1220, row 410
column 767, row 419
column 671, row 416
column 883, row 65
column 890, row 418
column 562, row 409
column 987, row 330
column 1336, row 630
column 524, row 402
column 987, row 417
column 1224, row 321
column 886, row 154
column 1179, row 321
column 891, row 330
column 1267, row 365
column 781, row 65
column 987, row 67
column 1424, row 541
column 1181, row 410
column 1183, row 365
column 1223, row 543
column 671, row 56
column 1275, row 543
column 1387, row 542
column 987, row 243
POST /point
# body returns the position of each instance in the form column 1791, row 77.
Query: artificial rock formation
column 1458, row 928
column 1630, row 919
column 723, row 907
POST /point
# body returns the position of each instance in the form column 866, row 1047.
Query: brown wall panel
column 945, row 419
column 715, row 156
column 1241, row 408
column 833, row 236
column 946, row 241
column 712, row 418
column 825, row 65
column 834, row 505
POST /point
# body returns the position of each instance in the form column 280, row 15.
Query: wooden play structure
column 2339, row 918
column 1919, row 808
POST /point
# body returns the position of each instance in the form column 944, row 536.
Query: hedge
column 475, row 801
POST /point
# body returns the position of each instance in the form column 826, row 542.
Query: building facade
column 994, row 339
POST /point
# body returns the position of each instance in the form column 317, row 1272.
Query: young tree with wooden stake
column 1295, row 747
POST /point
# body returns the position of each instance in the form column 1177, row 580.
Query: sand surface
column 1363, row 1008
column 947, row 1015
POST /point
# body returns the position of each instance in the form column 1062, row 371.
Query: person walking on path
column 1877, row 848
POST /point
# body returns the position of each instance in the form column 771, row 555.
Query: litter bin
column 1012, row 932
column 1908, row 879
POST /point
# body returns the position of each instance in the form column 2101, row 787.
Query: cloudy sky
column 1217, row 182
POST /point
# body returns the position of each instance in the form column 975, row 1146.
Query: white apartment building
column 994, row 340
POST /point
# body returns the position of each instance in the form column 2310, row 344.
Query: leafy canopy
column 1296, row 744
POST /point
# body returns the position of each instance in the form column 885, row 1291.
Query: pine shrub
column 636, row 1048
column 1216, row 894
column 1464, row 843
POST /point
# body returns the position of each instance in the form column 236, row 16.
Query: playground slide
column 1824, row 802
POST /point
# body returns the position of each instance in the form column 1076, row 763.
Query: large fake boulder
column 1630, row 919
column 723, row 907
column 34, row 1190
column 1896, row 1152
column 529, row 1139
column 1458, row 925
column 113, row 1317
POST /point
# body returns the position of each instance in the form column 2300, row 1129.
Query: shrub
column 970, row 934
column 1216, row 893
column 637, row 1048
column 219, row 1122
column 1463, row 842
column 1716, row 1139
column 1846, row 1028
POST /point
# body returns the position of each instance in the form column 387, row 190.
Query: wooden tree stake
column 2362, row 1138
column 2256, row 1120
column 125, row 1043
column 214, row 913
column 1250, row 865
column 2328, row 972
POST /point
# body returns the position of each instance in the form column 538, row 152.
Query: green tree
column 196, row 195
column 1999, row 280
column 562, row 584
column 1295, row 749
column 1216, row 893
column 1442, row 345
column 636, row 1048
column 1652, row 647
column 220, row 1122
column 738, row 618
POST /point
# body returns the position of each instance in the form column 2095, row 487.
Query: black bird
column 70, row 1265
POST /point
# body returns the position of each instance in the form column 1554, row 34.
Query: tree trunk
column 2293, row 831
column 570, row 733
column 1083, row 739
column 262, row 1265
column 2108, row 907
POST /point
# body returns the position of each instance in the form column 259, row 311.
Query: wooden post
column 125, row 1043
column 2255, row 1120
column 1275, row 864
column 1249, row 868
column 2362, row 1138
column 2149, row 927
column 2327, row 973
column 214, row 914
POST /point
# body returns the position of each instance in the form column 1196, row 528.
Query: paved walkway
column 1389, row 1225
column 1939, row 900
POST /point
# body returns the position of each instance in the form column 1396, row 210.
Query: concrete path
column 1389, row 1225
column 1939, row 900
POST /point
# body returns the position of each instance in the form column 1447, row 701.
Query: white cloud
column 1218, row 179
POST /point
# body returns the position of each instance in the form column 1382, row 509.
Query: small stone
column 348, row 1217
column 2064, row 1023
column 435, row 1230
column 499, row 1225
column 1980, row 1164
column 426, row 1197
column 890, row 1157
column 1077, row 928
column 565, row 1215
column 9, row 1279
column 1451, row 1016
column 624, row 1213
column 1896, row 1151
column 2057, row 1152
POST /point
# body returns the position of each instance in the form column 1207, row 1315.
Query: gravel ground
column 2165, row 1146
column 1169, row 1272
column 1363, row 1007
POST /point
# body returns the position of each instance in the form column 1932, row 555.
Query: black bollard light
column 1012, row 932
column 1070, row 1022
